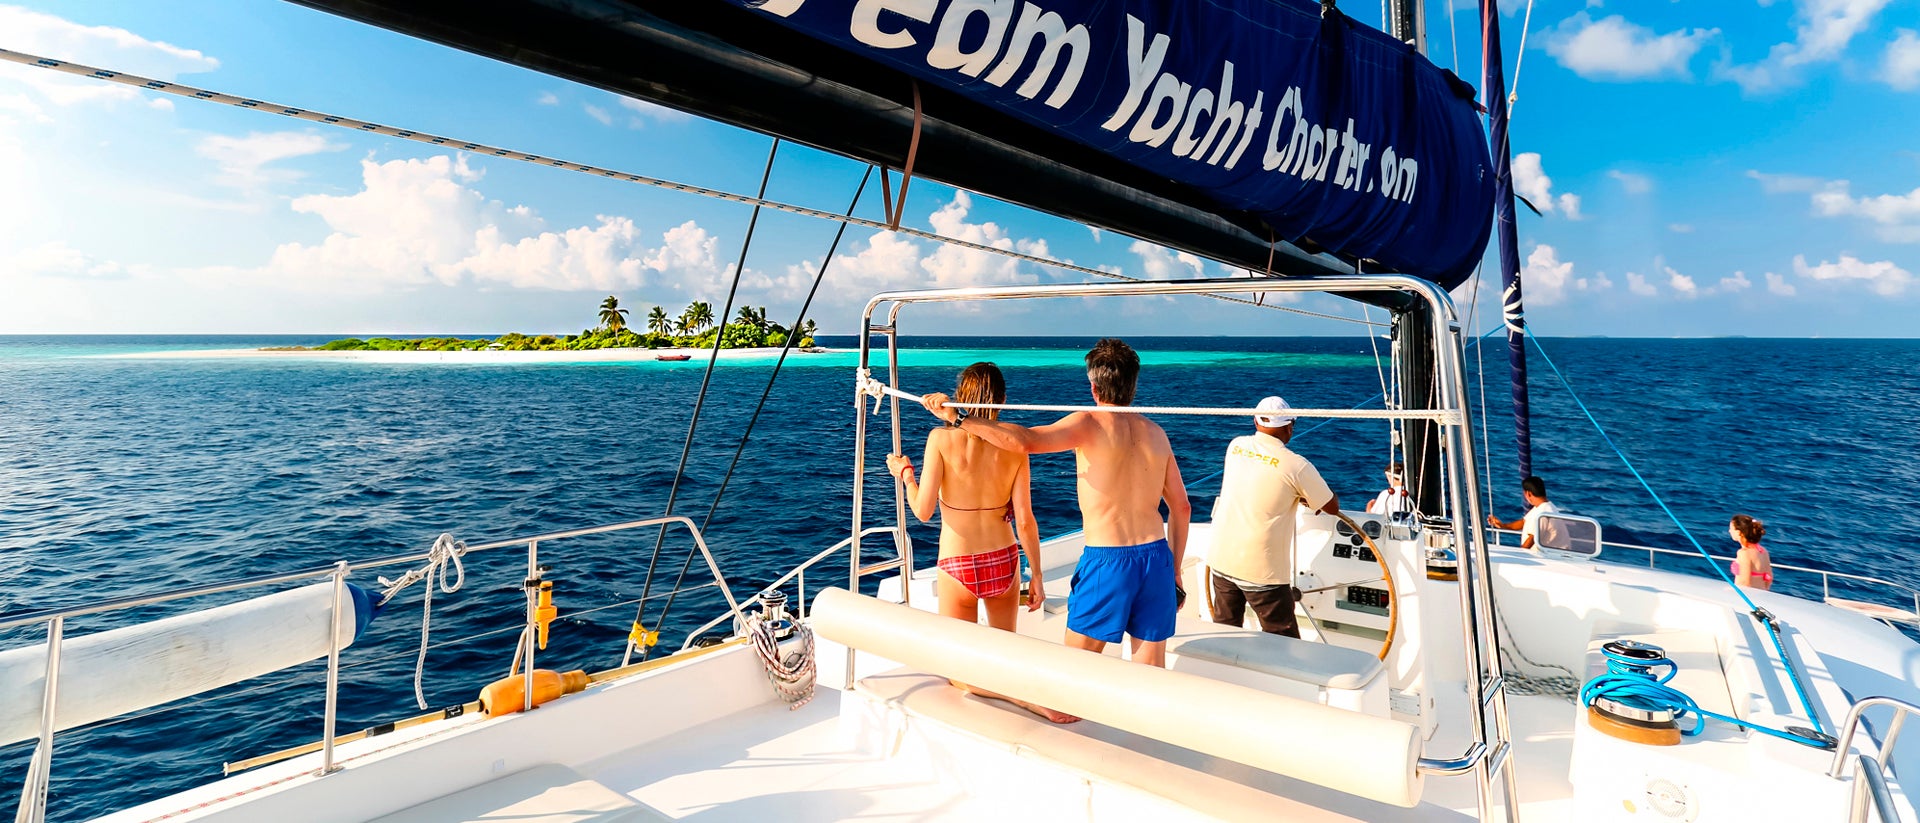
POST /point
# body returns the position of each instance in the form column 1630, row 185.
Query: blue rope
column 1766, row 618
column 1632, row 682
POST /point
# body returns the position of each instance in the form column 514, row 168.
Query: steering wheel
column 1386, row 576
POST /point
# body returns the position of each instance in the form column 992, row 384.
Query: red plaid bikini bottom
column 987, row 574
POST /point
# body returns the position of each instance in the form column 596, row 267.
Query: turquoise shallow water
column 134, row 475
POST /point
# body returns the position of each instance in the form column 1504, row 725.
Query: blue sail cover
column 1336, row 135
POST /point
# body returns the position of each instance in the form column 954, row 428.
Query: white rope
column 877, row 390
column 1513, row 97
column 444, row 555
column 793, row 675
column 351, row 124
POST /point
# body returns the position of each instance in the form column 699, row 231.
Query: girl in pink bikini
column 986, row 518
column 1751, row 567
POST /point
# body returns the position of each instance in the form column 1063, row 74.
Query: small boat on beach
column 673, row 358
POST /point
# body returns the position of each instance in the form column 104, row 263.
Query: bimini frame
column 1486, row 757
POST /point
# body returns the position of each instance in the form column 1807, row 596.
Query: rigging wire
column 1513, row 96
column 818, row 278
column 1453, row 35
column 1766, row 618
column 351, row 124
column 700, row 400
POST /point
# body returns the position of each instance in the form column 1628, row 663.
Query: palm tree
column 698, row 316
column 755, row 318
column 807, row 329
column 611, row 315
column 658, row 322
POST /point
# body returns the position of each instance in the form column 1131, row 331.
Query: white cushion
column 1321, row 664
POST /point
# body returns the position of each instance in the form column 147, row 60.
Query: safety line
column 182, row 90
column 793, row 336
column 874, row 388
column 1765, row 617
column 700, row 401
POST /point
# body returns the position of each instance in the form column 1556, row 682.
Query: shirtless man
column 1126, row 582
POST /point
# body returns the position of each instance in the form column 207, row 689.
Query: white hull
column 708, row 739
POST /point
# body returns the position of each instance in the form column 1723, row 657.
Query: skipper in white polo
column 1251, row 553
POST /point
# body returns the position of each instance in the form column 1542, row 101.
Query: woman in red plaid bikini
column 986, row 518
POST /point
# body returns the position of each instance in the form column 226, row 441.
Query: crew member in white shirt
column 1394, row 502
column 1251, row 554
column 1534, row 490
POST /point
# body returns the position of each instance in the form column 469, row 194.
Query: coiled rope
column 792, row 676
column 443, row 559
column 182, row 90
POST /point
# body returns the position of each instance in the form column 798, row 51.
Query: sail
column 1512, row 309
column 1333, row 135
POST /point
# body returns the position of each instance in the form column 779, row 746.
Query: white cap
column 1277, row 418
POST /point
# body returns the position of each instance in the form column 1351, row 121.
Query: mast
column 1413, row 331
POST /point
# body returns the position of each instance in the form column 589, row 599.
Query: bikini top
column 1767, row 576
column 1006, row 507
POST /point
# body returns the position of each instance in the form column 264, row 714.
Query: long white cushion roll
column 1359, row 754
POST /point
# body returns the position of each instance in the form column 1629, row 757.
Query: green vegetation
column 750, row 329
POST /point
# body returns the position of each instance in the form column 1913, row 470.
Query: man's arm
column 1509, row 525
column 1067, row 434
column 1333, row 504
column 1179, row 512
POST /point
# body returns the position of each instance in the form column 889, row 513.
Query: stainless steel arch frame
column 1488, row 752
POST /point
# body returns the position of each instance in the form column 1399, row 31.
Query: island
column 693, row 329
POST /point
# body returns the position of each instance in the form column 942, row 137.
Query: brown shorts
column 1273, row 607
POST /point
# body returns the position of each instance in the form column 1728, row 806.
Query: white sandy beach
column 482, row 357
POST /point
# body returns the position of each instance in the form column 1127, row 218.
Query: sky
column 1746, row 167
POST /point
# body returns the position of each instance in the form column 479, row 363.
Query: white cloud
column 1614, row 49
column 1637, row 283
column 45, row 34
column 1530, row 180
column 645, row 111
column 1894, row 217
column 58, row 260
column 547, row 98
column 1158, row 262
column 1883, row 277
column 1822, row 30
column 893, row 260
column 1681, row 284
column 421, row 223
column 1680, row 228
column 243, row 160
column 1096, row 233
column 1779, row 285
column 1900, row 67
column 1777, row 183
column 1737, row 283
column 1897, row 216
column 605, row 117
column 1633, row 183
column 1544, row 277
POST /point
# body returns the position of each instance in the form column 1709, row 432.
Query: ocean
column 131, row 476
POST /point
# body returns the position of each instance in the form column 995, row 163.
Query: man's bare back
column 1125, row 468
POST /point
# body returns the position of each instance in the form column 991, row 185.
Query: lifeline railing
column 1896, row 589
column 33, row 797
column 800, row 573
column 1485, row 756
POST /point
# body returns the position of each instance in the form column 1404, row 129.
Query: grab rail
column 32, row 805
column 1869, row 783
column 1826, row 577
column 1901, row 709
column 798, row 572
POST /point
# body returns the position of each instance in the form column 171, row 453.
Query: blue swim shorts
column 1123, row 590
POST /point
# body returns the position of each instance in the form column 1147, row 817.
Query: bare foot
column 1051, row 715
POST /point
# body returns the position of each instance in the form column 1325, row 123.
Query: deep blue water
column 124, row 476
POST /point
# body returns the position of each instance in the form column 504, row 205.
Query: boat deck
column 805, row 765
